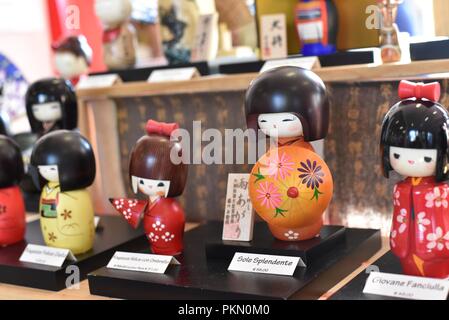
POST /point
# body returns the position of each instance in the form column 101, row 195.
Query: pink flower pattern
column 280, row 166
column 436, row 199
column 269, row 195
column 437, row 240
column 396, row 195
column 422, row 221
column 402, row 219
column 393, row 236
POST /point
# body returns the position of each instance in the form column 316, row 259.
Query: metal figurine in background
column 389, row 40
column 414, row 144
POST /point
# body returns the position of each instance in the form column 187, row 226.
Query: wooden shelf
column 222, row 83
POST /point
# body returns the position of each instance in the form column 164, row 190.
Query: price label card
column 54, row 257
column 308, row 63
column 99, row 81
column 179, row 74
column 139, row 262
column 406, row 287
column 262, row 263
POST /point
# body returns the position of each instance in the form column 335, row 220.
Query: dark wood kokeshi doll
column 12, row 207
column 51, row 105
column 154, row 173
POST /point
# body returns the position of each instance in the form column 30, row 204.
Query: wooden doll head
column 113, row 12
column 11, row 163
column 51, row 100
column 65, row 157
column 151, row 164
column 414, row 138
column 290, row 100
column 73, row 56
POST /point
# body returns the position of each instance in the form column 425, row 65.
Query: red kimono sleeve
column 131, row 209
column 432, row 222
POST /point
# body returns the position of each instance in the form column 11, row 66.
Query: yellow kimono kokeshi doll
column 63, row 165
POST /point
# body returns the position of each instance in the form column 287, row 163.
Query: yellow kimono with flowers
column 67, row 218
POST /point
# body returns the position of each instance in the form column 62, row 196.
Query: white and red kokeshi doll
column 12, row 206
column 153, row 172
column 119, row 35
column 414, row 143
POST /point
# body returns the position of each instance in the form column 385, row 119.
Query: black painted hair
column 416, row 124
column 293, row 90
column 11, row 163
column 73, row 155
column 52, row 90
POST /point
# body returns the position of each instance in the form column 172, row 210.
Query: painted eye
column 263, row 120
column 428, row 159
column 141, row 182
column 287, row 120
column 396, row 156
column 161, row 184
column 52, row 169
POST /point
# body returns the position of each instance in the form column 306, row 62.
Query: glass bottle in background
column 389, row 41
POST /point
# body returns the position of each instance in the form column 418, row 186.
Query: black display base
column 264, row 243
column 388, row 263
column 200, row 278
column 112, row 234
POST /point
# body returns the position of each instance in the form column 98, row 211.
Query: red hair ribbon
column 162, row 128
column 430, row 91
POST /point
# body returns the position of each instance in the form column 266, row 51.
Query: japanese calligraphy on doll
column 273, row 36
column 239, row 217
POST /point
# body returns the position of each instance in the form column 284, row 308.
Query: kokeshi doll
column 63, row 166
column 161, row 179
column 12, row 207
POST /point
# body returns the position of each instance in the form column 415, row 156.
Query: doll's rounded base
column 296, row 234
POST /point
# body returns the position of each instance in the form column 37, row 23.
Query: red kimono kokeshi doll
column 414, row 143
column 12, row 207
column 154, row 172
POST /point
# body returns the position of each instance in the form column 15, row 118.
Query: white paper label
column 406, row 287
column 140, row 262
column 273, row 36
column 54, row 257
column 167, row 75
column 98, row 81
column 262, row 263
column 308, row 63
column 239, row 217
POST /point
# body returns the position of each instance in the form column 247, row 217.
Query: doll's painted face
column 151, row 187
column 113, row 12
column 280, row 125
column 49, row 173
column 417, row 163
column 47, row 112
column 69, row 65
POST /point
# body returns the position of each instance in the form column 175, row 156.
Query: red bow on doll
column 430, row 91
column 162, row 128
